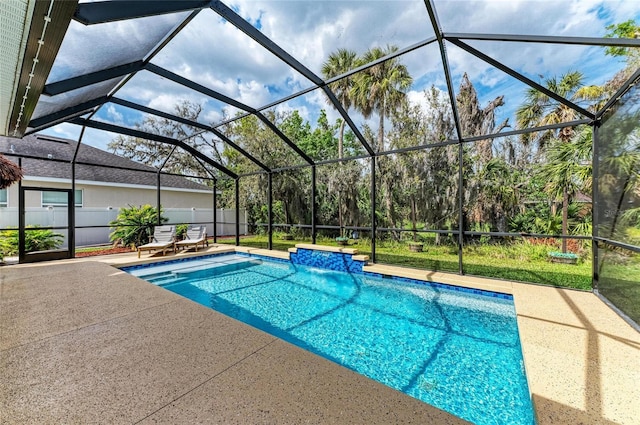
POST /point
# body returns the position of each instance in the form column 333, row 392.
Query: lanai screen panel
column 253, row 195
column 91, row 48
column 212, row 52
column 618, row 164
column 532, row 17
column 618, row 214
column 292, row 198
column 312, row 123
column 311, row 30
column 488, row 99
column 154, row 91
column 52, row 104
column 344, row 189
column 418, row 74
column 541, row 62
column 260, row 140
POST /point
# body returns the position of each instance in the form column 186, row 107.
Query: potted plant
column 563, row 257
column 342, row 240
column 416, row 246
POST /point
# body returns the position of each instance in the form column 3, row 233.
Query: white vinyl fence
column 86, row 218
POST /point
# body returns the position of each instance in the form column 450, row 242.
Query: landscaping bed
column 90, row 252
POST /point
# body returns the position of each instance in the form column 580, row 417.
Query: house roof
column 44, row 156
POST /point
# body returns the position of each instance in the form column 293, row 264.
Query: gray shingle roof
column 42, row 156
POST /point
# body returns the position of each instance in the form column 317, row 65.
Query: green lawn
column 518, row 261
column 619, row 282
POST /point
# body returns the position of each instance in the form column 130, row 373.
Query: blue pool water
column 455, row 350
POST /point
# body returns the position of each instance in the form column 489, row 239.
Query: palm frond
column 9, row 173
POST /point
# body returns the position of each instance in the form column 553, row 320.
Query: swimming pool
column 455, row 350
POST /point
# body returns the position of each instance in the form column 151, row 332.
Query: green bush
column 134, row 225
column 36, row 239
column 181, row 230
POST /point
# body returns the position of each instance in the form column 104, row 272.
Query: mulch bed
column 118, row 250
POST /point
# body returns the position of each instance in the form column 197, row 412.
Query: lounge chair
column 193, row 237
column 163, row 239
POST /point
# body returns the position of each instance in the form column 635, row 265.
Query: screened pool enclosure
column 476, row 137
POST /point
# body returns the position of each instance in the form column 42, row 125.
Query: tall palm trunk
column 381, row 147
column 414, row 218
column 388, row 183
column 340, row 214
column 565, row 217
column 341, row 140
column 340, row 194
column 388, row 200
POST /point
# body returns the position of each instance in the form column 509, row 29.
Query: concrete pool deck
column 83, row 342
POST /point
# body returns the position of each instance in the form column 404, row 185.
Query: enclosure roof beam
column 168, row 37
column 69, row 84
column 64, row 114
column 227, row 13
column 197, row 87
column 618, row 94
column 244, row 26
column 548, row 39
column 186, row 121
column 334, row 100
column 225, row 99
column 521, row 77
column 435, row 23
column 284, row 138
column 205, row 168
column 156, row 138
column 110, row 11
column 529, row 130
column 345, row 116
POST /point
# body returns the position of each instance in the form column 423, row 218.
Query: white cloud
column 115, row 116
column 92, row 137
column 417, row 98
column 254, row 93
column 303, row 111
column 212, row 116
column 64, row 130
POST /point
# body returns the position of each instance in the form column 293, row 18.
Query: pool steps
column 170, row 274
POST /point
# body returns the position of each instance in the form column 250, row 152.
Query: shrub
column 35, row 239
column 134, row 225
column 181, row 230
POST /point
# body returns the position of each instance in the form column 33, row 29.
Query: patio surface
column 83, row 342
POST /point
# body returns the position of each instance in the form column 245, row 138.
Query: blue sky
column 213, row 53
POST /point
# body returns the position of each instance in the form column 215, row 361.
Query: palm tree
column 338, row 63
column 539, row 109
column 380, row 88
column 568, row 171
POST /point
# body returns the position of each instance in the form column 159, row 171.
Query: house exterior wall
column 101, row 203
column 115, row 196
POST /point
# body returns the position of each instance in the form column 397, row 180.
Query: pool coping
column 582, row 360
column 469, row 284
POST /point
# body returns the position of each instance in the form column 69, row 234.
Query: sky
column 216, row 55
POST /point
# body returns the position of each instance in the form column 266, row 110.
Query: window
column 3, row 197
column 59, row 199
